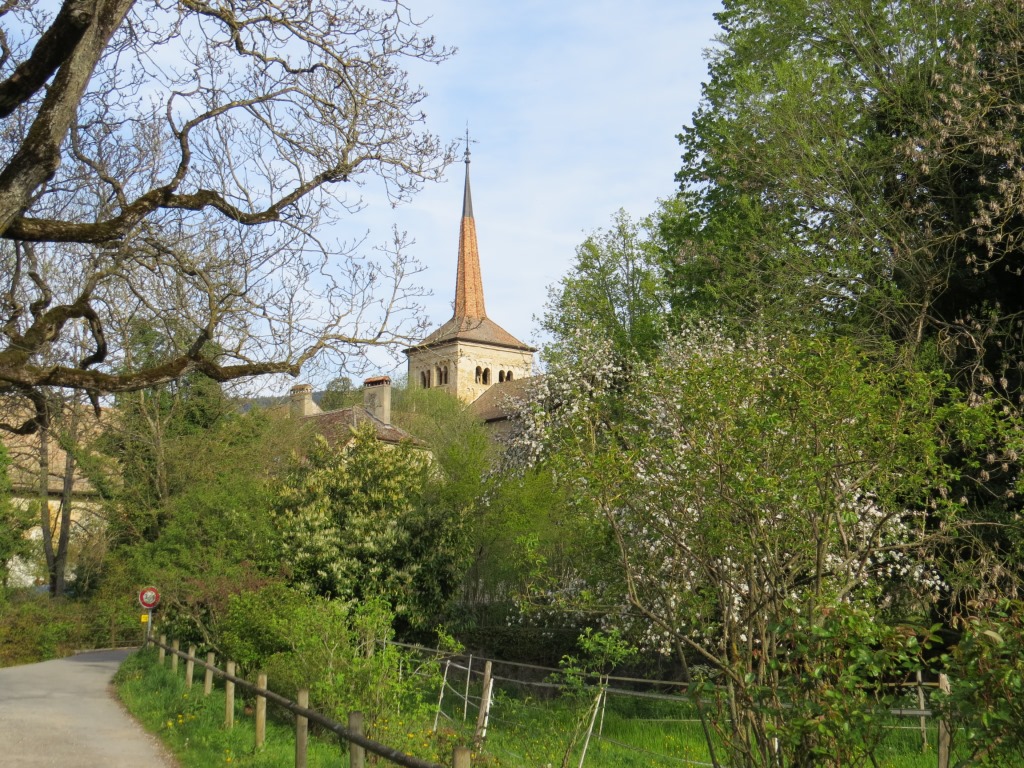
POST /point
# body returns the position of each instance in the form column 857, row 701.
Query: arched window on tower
column 444, row 374
column 508, row 376
column 486, row 376
column 425, row 379
column 501, row 376
column 479, row 375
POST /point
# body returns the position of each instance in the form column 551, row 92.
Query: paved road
column 63, row 713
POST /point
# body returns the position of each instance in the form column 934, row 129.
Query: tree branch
column 53, row 48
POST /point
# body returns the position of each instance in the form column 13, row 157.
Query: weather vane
column 468, row 141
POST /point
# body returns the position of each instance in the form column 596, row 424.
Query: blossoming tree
column 773, row 506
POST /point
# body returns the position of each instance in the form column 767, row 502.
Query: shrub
column 337, row 650
column 986, row 704
column 34, row 627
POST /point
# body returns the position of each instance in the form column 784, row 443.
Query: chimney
column 300, row 401
column 377, row 397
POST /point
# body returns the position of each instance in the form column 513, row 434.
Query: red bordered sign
column 149, row 598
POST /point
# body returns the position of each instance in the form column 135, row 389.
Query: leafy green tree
column 852, row 166
column 147, row 432
column 216, row 535
column 355, row 525
column 460, row 448
column 15, row 522
column 610, row 307
column 614, row 290
column 339, row 394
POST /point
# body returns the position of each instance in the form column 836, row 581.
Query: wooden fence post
column 261, row 711
column 161, row 653
column 485, row 707
column 301, row 730
column 190, row 667
column 229, row 697
column 356, row 753
column 208, row 677
column 175, row 647
column 461, row 757
column 944, row 734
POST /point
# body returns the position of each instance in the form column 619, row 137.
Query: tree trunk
column 44, row 493
column 61, row 555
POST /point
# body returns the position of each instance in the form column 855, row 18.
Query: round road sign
column 149, row 598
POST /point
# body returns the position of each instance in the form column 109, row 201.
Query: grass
column 531, row 733
column 523, row 731
column 191, row 725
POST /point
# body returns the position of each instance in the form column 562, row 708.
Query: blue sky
column 574, row 106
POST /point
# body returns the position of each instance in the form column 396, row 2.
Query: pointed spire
column 469, row 286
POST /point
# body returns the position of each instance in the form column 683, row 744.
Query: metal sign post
column 149, row 598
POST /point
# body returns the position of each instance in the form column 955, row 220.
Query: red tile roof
column 501, row 400
column 479, row 329
column 336, row 426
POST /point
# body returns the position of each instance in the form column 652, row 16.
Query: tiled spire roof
column 470, row 321
column 482, row 330
column 469, row 285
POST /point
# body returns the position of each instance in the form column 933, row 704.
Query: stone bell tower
column 470, row 352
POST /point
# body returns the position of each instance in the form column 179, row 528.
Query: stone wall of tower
column 494, row 364
column 429, row 366
column 462, row 360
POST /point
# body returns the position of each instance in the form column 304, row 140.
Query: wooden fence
column 359, row 744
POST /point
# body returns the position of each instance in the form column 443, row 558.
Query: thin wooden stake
column 356, row 753
column 301, row 730
column 261, row 711
column 208, row 677
column 944, row 734
column 190, row 667
column 440, row 698
column 590, row 728
column 161, row 653
column 229, row 697
column 925, row 746
column 175, row 647
column 465, row 699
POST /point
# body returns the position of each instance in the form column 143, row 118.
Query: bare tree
column 173, row 163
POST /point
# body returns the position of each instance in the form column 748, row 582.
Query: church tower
column 469, row 353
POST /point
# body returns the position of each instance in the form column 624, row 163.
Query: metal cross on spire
column 467, row 142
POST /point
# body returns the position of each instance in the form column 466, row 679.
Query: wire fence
column 527, row 715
